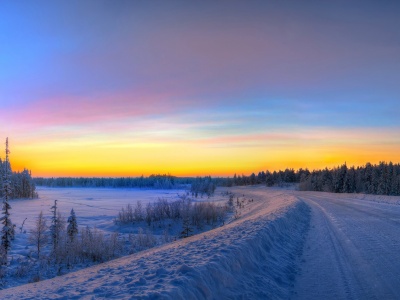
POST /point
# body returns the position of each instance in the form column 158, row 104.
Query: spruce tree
column 72, row 229
column 54, row 228
column 186, row 228
column 8, row 228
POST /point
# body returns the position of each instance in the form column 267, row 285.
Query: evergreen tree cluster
column 158, row 181
column 203, row 186
column 21, row 183
column 267, row 177
column 380, row 179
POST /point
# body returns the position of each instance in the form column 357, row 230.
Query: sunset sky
column 125, row 88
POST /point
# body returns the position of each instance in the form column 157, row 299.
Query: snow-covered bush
column 149, row 213
column 138, row 212
column 141, row 241
column 93, row 245
column 126, row 215
column 161, row 210
column 145, row 240
column 198, row 214
column 24, row 267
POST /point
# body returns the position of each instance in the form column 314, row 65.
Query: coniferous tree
column 186, row 228
column 54, row 228
column 8, row 227
column 186, row 214
column 72, row 229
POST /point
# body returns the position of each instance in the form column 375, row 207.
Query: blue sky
column 175, row 73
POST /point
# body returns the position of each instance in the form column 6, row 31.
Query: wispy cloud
column 164, row 82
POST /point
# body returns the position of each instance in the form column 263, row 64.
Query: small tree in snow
column 38, row 234
column 186, row 227
column 53, row 227
column 149, row 213
column 59, row 250
column 72, row 229
column 138, row 212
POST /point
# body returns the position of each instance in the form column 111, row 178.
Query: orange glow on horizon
column 100, row 159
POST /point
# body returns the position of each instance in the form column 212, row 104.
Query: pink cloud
column 323, row 136
column 248, row 138
column 71, row 110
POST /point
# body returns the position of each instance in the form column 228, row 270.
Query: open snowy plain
column 285, row 244
column 93, row 206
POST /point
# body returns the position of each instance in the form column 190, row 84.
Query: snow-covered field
column 285, row 244
column 95, row 208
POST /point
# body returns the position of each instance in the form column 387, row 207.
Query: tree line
column 382, row 179
column 156, row 181
column 199, row 186
column 203, row 186
column 379, row 179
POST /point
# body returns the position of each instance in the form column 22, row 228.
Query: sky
column 125, row 88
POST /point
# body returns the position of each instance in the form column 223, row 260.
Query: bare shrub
column 126, row 215
column 24, row 267
column 145, row 240
column 207, row 213
column 138, row 212
column 38, row 234
column 93, row 245
column 114, row 245
column 166, row 237
column 176, row 208
column 198, row 214
column 230, row 201
column 149, row 213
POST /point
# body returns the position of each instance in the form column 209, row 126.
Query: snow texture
column 285, row 244
column 352, row 248
column 251, row 257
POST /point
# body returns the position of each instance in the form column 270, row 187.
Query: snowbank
column 252, row 257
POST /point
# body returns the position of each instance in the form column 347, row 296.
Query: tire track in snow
column 352, row 250
column 94, row 206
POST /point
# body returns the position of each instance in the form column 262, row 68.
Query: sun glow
column 225, row 156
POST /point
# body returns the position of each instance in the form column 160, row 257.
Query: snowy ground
column 94, row 207
column 285, row 244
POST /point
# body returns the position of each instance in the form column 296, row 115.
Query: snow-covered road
column 352, row 250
